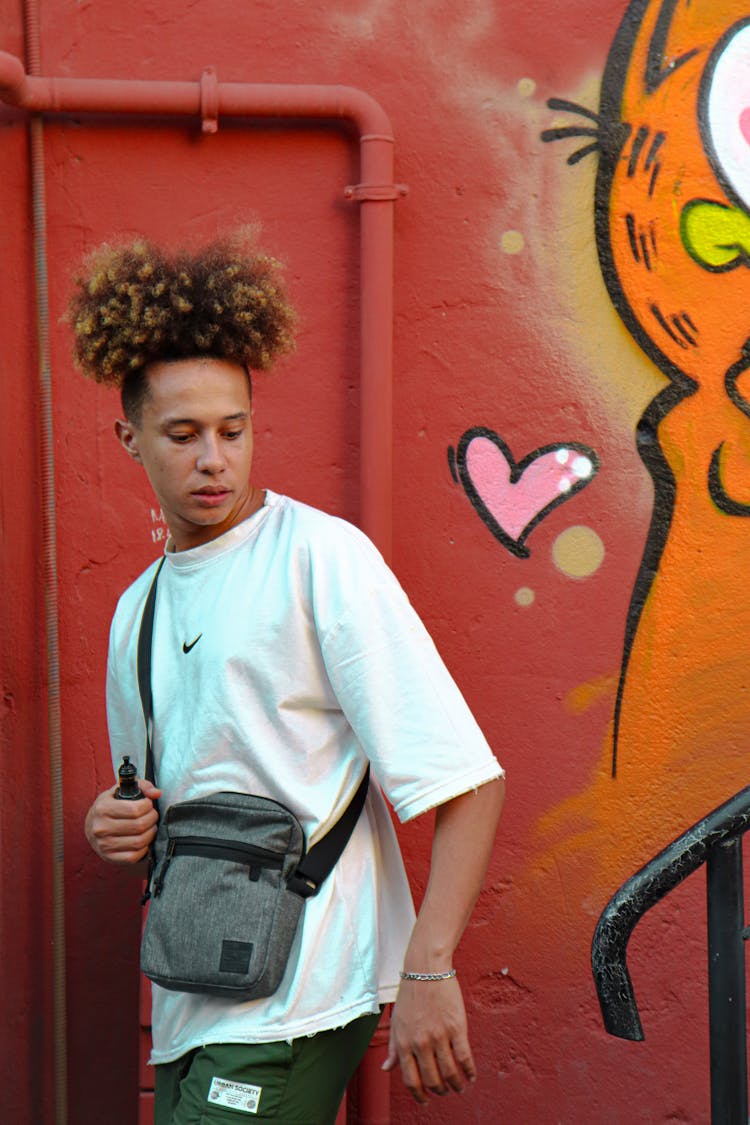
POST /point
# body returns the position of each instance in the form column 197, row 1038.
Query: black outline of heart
column 461, row 475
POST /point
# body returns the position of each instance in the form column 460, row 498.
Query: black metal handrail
column 715, row 841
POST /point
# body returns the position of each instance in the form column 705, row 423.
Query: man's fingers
column 121, row 831
column 111, row 837
column 126, row 850
column 465, row 1059
column 125, row 859
column 110, row 817
column 114, row 809
column 441, row 1067
column 117, row 845
column 429, row 1067
column 451, row 1067
column 429, row 1070
column 412, row 1079
column 392, row 1059
column 410, row 1074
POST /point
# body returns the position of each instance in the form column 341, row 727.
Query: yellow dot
column 524, row 596
column 578, row 552
column 512, row 242
column 526, row 87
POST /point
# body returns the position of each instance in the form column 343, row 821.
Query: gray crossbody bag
column 228, row 888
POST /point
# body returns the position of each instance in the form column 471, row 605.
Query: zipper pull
column 159, row 880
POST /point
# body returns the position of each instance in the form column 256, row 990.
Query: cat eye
column 725, row 112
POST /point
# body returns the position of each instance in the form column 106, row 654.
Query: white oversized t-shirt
column 285, row 656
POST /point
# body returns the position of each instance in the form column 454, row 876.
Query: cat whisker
column 563, row 131
column 573, row 107
column 582, row 152
column 608, row 136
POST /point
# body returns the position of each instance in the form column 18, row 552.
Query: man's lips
column 211, row 495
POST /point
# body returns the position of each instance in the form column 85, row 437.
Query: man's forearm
column 429, row 1037
column 465, row 830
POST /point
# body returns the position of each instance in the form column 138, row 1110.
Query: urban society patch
column 235, row 1095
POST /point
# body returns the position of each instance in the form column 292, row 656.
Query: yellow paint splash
column 578, row 552
column 584, row 696
column 512, row 242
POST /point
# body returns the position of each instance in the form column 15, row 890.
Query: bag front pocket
column 233, row 851
column 221, row 919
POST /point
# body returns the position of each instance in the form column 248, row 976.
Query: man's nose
column 210, row 456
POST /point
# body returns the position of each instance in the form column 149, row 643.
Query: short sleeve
column 402, row 703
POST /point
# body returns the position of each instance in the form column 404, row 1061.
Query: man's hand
column 121, row 831
column 429, row 1039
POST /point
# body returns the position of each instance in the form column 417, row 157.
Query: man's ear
column 127, row 436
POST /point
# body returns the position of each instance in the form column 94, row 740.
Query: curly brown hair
column 136, row 304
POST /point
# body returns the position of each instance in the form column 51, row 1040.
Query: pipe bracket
column 209, row 101
column 361, row 193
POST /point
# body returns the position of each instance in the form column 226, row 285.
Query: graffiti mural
column 513, row 497
column 672, row 222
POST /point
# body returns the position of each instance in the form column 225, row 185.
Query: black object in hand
column 128, row 789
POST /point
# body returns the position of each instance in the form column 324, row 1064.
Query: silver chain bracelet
column 449, row 975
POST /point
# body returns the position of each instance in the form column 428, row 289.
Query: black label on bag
column 235, row 956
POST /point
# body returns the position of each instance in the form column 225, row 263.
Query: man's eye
column 180, row 438
column 233, row 434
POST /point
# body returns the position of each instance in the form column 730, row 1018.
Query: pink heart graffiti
column 512, row 497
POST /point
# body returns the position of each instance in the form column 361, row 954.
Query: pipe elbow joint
column 12, row 79
column 371, row 119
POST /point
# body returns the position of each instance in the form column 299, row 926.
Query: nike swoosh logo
column 186, row 648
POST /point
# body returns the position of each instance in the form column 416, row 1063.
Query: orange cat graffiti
column 673, row 234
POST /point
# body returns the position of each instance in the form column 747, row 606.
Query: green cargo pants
column 300, row 1082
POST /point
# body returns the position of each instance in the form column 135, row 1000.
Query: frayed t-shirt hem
column 328, row 1022
column 448, row 790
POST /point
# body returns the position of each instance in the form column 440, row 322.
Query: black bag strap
column 145, row 634
column 144, row 670
column 320, row 861
column 317, row 864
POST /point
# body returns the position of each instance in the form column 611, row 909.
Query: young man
column 285, row 658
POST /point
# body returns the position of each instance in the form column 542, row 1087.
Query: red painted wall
column 502, row 321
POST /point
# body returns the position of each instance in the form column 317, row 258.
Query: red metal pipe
column 51, row 590
column 236, row 99
column 373, row 1085
column 209, row 100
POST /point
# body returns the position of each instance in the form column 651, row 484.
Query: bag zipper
column 235, row 851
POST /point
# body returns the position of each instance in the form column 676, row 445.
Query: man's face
column 195, row 441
